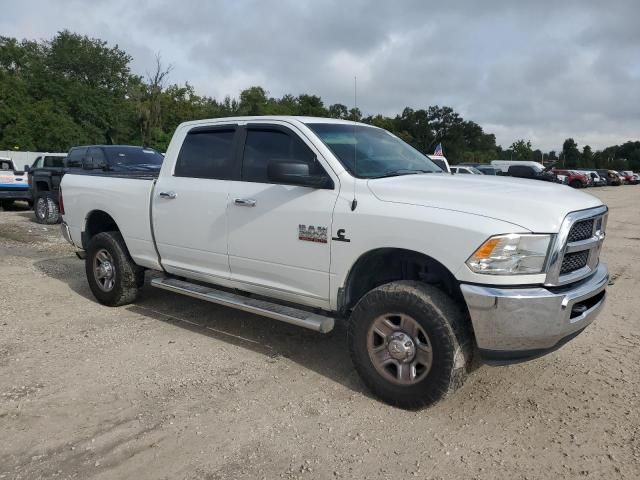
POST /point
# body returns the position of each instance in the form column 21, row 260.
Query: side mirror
column 297, row 173
column 27, row 168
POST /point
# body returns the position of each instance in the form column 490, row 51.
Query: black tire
column 46, row 209
column 440, row 318
column 576, row 184
column 127, row 276
column 6, row 204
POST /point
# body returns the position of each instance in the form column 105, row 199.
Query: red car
column 629, row 177
column 574, row 179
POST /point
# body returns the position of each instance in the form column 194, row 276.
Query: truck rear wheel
column 46, row 209
column 113, row 276
column 409, row 343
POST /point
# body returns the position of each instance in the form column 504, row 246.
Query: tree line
column 74, row 90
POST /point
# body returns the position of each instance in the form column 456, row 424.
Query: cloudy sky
column 542, row 70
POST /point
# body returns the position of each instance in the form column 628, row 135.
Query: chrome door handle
column 245, row 202
column 169, row 195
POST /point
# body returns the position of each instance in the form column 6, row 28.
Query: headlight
column 511, row 255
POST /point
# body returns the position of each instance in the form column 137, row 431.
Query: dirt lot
column 175, row 388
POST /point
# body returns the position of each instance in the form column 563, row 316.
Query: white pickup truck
column 307, row 220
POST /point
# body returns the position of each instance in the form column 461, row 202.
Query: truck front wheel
column 113, row 276
column 409, row 343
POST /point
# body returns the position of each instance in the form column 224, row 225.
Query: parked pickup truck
column 308, row 220
column 13, row 183
column 45, row 178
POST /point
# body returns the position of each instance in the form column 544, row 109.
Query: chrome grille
column 576, row 250
column 574, row 261
column 581, row 231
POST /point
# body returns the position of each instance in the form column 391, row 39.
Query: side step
column 291, row 315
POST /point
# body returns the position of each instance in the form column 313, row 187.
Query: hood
column 535, row 205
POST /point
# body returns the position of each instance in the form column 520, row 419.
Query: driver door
column 279, row 234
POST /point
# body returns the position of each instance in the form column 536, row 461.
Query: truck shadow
column 325, row 354
column 17, row 206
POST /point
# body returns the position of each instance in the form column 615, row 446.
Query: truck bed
column 124, row 197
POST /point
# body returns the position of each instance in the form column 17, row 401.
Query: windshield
column 369, row 152
column 133, row 156
column 475, row 170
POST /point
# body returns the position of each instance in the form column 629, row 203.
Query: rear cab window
column 75, row 157
column 208, row 152
column 95, row 158
column 52, row 162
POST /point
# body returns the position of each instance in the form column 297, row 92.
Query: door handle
column 169, row 195
column 245, row 202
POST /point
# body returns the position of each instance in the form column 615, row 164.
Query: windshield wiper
column 401, row 171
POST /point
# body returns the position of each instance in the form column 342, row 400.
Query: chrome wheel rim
column 104, row 270
column 399, row 349
column 41, row 208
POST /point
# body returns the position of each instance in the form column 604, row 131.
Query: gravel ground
column 175, row 388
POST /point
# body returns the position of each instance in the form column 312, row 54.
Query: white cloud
column 543, row 71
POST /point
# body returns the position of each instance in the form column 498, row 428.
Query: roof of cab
column 285, row 118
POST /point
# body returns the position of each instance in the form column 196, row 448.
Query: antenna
column 354, row 202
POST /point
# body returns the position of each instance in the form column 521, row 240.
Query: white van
column 503, row 165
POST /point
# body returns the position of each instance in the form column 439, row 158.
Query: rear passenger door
column 190, row 204
column 280, row 234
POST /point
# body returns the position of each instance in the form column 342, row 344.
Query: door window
column 264, row 146
column 95, row 158
column 75, row 158
column 207, row 153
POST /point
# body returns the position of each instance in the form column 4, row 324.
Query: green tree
column 521, row 150
column 570, row 154
column 253, row 101
column 311, row 105
column 587, row 157
column 338, row 110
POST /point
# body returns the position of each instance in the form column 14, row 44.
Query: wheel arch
column 41, row 186
column 383, row 265
column 97, row 221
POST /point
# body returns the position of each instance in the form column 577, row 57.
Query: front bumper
column 518, row 323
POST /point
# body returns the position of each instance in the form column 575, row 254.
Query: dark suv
column 527, row 171
column 483, row 167
column 121, row 160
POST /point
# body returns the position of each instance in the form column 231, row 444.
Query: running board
column 294, row 316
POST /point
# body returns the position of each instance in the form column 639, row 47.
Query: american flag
column 438, row 150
